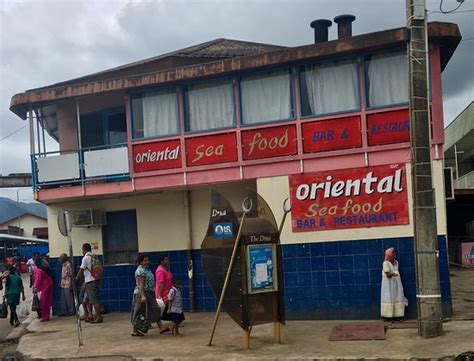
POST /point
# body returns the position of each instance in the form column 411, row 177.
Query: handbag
column 141, row 321
column 35, row 306
column 3, row 309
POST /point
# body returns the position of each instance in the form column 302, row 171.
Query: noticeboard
column 261, row 268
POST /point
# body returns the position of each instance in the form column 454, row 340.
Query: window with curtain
column 329, row 88
column 265, row 97
column 155, row 114
column 387, row 79
column 209, row 105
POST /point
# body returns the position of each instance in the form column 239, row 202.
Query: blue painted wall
column 331, row 280
column 29, row 249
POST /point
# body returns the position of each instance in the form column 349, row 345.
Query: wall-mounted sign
column 261, row 268
column 388, row 127
column 156, row 156
column 211, row 149
column 270, row 142
column 332, row 134
column 349, row 198
column 222, row 230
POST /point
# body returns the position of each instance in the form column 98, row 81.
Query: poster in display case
column 261, row 268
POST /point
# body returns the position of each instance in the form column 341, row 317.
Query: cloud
column 43, row 42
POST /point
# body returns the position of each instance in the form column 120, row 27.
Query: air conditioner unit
column 87, row 217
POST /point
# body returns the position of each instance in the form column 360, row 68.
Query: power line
column 16, row 131
column 450, row 11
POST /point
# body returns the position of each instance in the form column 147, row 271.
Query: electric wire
column 450, row 11
column 13, row 133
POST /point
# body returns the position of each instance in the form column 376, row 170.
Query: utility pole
column 430, row 323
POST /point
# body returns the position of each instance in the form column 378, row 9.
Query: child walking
column 13, row 289
column 175, row 308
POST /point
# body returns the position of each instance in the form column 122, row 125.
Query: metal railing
column 465, row 182
column 79, row 166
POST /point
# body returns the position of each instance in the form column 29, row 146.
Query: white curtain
column 331, row 87
column 387, row 79
column 160, row 114
column 265, row 97
column 210, row 105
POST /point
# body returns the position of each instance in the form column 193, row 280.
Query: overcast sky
column 43, row 42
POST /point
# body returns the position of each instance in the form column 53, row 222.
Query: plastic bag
column 35, row 303
column 140, row 322
column 23, row 309
column 82, row 312
column 161, row 305
column 3, row 310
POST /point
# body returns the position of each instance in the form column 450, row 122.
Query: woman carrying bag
column 13, row 290
column 145, row 310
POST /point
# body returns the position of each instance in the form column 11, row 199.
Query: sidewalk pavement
column 57, row 340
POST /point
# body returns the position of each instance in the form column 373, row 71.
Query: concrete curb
column 19, row 331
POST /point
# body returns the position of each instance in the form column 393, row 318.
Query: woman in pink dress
column 163, row 278
column 43, row 286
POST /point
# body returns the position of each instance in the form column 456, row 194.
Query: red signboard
column 156, row 156
column 211, row 149
column 332, row 134
column 349, row 198
column 389, row 127
column 270, row 142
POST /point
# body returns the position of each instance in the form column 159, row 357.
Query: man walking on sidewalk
column 92, row 285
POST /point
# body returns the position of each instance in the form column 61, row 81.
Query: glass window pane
column 387, row 79
column 209, row 105
column 155, row 114
column 329, row 88
column 265, row 97
column 92, row 130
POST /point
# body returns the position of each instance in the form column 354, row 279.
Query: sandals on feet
column 167, row 329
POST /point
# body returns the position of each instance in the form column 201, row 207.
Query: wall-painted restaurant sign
column 388, row 127
column 331, row 135
column 156, row 156
column 349, row 198
column 270, row 142
column 211, row 149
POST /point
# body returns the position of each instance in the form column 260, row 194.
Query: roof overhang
column 445, row 34
column 22, row 239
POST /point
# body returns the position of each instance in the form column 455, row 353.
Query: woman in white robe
column 392, row 298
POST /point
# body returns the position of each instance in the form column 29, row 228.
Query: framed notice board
column 261, row 268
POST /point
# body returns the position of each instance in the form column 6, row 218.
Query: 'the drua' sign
column 349, row 198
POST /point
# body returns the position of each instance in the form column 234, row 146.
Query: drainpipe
column 188, row 230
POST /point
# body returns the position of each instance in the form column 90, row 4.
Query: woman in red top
column 162, row 286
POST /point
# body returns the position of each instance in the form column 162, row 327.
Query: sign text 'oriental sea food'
column 388, row 127
column 270, row 142
column 211, row 149
column 156, row 156
column 332, row 134
column 349, row 198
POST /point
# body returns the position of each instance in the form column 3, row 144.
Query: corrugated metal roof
column 215, row 49
column 227, row 48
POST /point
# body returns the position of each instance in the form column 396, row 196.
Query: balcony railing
column 465, row 182
column 78, row 166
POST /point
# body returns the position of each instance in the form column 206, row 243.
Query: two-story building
column 324, row 124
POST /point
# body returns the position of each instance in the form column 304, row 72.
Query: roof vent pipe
column 321, row 27
column 344, row 25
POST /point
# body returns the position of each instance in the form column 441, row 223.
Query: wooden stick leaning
column 229, row 270
column 73, row 276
